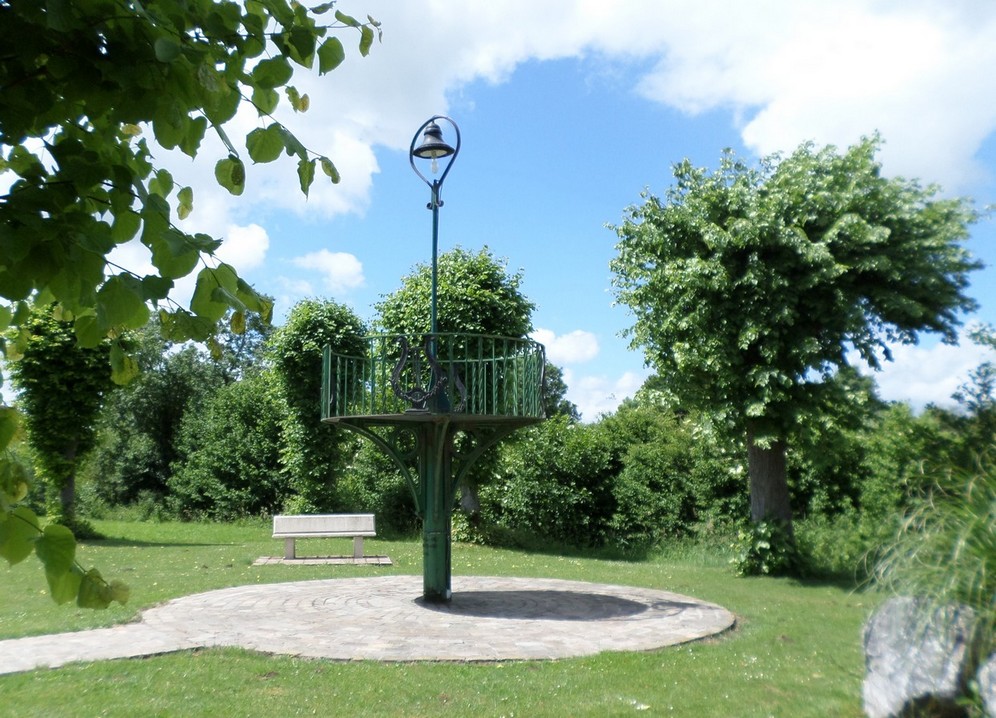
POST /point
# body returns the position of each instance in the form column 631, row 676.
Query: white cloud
column 571, row 348
column 341, row 271
column 925, row 375
column 790, row 70
column 595, row 395
column 831, row 73
column 244, row 247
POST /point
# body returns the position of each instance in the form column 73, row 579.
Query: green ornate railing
column 467, row 374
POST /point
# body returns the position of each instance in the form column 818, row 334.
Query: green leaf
column 120, row 592
column 125, row 226
column 10, row 420
column 205, row 302
column 193, row 136
column 19, row 530
column 330, row 55
column 155, row 287
column 185, row 205
column 65, row 585
column 345, row 19
column 93, row 591
column 272, row 73
column 265, row 145
column 162, row 184
column 120, row 303
column 265, row 100
column 293, row 144
column 231, row 174
column 306, row 174
column 299, row 102
column 124, row 366
column 329, row 169
column 238, row 323
column 89, row 332
column 6, row 313
column 56, row 548
column 366, row 40
column 14, row 483
column 166, row 49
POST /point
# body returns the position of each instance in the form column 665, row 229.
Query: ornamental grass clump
column 945, row 548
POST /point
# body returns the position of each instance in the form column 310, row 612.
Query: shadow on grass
column 111, row 542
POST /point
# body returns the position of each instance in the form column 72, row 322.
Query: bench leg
column 289, row 551
column 357, row 547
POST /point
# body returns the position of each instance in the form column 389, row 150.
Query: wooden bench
column 291, row 528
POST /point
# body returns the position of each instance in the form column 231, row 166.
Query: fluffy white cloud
column 927, row 374
column 790, row 70
column 571, row 348
column 595, row 395
column 340, row 271
column 831, row 73
column 244, row 247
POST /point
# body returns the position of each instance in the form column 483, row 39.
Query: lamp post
column 435, row 439
column 434, row 148
column 496, row 384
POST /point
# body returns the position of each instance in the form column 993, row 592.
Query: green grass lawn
column 796, row 650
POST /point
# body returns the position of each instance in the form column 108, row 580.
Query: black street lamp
column 434, row 148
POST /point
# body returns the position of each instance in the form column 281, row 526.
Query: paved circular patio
column 384, row 618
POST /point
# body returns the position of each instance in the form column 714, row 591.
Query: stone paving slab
column 384, row 618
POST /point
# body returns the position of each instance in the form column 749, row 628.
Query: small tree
column 231, row 453
column 749, row 286
column 313, row 453
column 61, row 387
column 139, row 424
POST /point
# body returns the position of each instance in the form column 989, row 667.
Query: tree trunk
column 67, row 487
column 769, row 494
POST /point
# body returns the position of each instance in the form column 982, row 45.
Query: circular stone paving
column 385, row 618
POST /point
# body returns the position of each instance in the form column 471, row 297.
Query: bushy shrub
column 230, row 465
column 766, row 548
column 673, row 475
column 372, row 483
column 555, row 481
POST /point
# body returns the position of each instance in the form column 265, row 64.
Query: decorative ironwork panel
column 470, row 374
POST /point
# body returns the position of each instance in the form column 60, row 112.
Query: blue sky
column 567, row 111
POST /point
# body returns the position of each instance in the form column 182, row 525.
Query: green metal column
column 436, row 485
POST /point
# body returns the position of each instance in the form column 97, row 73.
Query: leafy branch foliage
column 82, row 84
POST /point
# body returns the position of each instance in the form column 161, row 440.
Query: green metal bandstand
column 415, row 395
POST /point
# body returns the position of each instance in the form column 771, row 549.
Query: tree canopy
column 476, row 295
column 750, row 286
column 87, row 89
column 83, row 84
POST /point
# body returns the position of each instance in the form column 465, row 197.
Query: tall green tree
column 555, row 401
column 475, row 295
column 750, row 285
column 314, row 454
column 140, row 423
column 61, row 386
